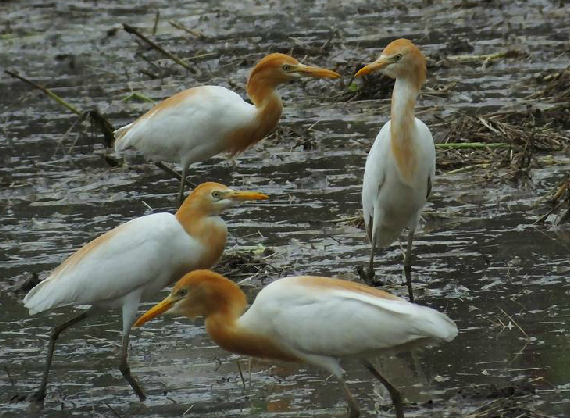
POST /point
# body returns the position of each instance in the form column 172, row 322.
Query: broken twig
column 486, row 57
column 173, row 57
column 47, row 91
column 155, row 26
column 193, row 32
column 462, row 145
column 95, row 115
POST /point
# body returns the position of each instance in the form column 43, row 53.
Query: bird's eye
column 397, row 57
column 286, row 67
column 182, row 292
column 216, row 194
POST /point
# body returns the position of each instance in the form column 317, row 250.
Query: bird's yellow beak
column 156, row 310
column 241, row 196
column 316, row 71
column 373, row 66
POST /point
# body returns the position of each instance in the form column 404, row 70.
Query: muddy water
column 480, row 256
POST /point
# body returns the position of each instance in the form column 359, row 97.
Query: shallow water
column 480, row 257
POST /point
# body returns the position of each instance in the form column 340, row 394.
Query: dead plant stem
column 173, row 57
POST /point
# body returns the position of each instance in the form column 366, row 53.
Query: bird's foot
column 362, row 274
column 37, row 397
column 142, row 397
column 18, row 397
column 353, row 413
column 126, row 371
column 368, row 276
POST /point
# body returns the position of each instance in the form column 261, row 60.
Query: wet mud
column 493, row 250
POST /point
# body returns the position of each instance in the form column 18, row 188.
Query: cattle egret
column 133, row 262
column 200, row 122
column 315, row 320
column 400, row 167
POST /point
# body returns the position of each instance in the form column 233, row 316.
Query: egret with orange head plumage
column 200, row 122
column 133, row 262
column 314, row 320
column 400, row 167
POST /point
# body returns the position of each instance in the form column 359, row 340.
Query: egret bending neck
column 403, row 126
column 223, row 326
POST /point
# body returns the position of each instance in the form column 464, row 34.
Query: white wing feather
column 144, row 254
column 190, row 128
column 339, row 322
column 374, row 173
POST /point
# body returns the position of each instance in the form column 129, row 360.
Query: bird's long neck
column 208, row 229
column 224, row 327
column 267, row 102
column 268, row 111
column 403, row 126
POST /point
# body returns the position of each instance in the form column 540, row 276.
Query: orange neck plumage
column 224, row 307
column 261, row 91
column 403, row 126
column 197, row 220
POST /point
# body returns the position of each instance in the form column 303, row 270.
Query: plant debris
column 524, row 133
column 374, row 86
column 506, row 408
column 242, row 264
column 557, row 87
column 559, row 201
column 510, row 401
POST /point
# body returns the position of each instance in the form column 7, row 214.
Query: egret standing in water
column 133, row 262
column 400, row 167
column 314, row 320
column 198, row 123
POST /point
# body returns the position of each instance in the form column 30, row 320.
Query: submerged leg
column 182, row 181
column 354, row 412
column 408, row 264
column 126, row 370
column 40, row 394
column 394, row 393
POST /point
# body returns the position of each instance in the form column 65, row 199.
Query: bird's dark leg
column 370, row 272
column 182, row 181
column 40, row 394
column 354, row 412
column 408, row 264
column 126, row 370
column 173, row 173
column 394, row 393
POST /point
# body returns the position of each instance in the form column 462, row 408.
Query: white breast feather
column 383, row 192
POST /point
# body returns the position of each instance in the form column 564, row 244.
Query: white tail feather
column 119, row 134
column 38, row 299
